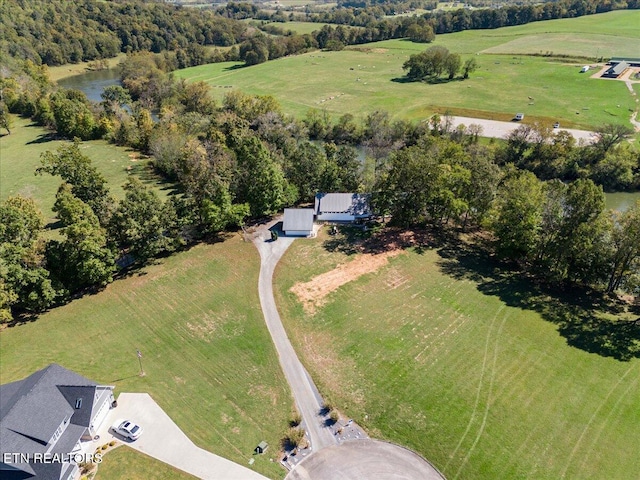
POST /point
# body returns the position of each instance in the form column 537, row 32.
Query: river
column 621, row 200
column 94, row 82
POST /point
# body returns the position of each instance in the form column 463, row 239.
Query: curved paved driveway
column 365, row 460
column 304, row 391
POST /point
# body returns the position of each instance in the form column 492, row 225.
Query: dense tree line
column 55, row 32
column 607, row 161
column 372, row 18
column 246, row 159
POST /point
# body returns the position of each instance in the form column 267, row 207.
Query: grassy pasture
column 446, row 357
column 20, row 156
column 590, row 46
column 209, row 360
column 71, row 69
column 364, row 78
column 124, row 462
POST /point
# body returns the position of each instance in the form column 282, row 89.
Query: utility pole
column 139, row 353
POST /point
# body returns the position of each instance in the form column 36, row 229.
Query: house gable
column 47, row 412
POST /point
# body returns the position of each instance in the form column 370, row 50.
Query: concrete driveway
column 304, row 391
column 163, row 440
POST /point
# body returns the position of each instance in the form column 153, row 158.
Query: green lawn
column 466, row 367
column 124, row 462
column 20, row 156
column 208, row 357
column 364, row 78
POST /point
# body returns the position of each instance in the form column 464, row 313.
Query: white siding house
column 342, row 207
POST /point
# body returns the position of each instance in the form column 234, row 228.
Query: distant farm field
column 302, row 27
column 438, row 352
column 20, row 156
column 207, row 354
column 364, row 78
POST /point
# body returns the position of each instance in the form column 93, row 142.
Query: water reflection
column 92, row 83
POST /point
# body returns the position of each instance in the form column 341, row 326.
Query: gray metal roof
column 32, row 409
column 617, row 69
column 298, row 219
column 356, row 204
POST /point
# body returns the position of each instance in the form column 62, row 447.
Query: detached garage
column 298, row 222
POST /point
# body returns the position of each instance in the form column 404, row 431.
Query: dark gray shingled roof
column 32, row 409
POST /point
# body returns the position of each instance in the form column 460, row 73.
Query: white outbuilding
column 298, row 222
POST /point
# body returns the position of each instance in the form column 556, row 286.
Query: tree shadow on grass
column 404, row 80
column 377, row 238
column 237, row 66
column 44, row 138
column 586, row 318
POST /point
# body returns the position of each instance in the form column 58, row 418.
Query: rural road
column 497, row 129
column 304, row 391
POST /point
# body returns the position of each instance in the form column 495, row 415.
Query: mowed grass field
column 20, row 156
column 117, row 465
column 207, row 354
column 427, row 355
column 364, row 78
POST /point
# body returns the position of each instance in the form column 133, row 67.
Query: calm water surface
column 622, row 200
column 92, row 83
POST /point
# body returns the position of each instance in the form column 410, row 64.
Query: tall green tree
column 306, row 169
column 86, row 182
column 625, row 240
column 516, row 219
column 260, row 180
column 72, row 115
column 5, row 118
column 139, row 224
column 24, row 280
column 83, row 258
column 430, row 64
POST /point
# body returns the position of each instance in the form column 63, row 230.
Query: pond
column 92, row 83
column 621, row 200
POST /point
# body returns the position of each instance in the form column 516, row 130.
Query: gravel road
column 497, row 129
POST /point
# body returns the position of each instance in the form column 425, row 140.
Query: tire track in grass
column 433, row 338
column 593, row 417
column 489, row 395
column 479, row 390
column 605, row 421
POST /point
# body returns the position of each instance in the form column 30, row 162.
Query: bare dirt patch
column 313, row 293
column 216, row 325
